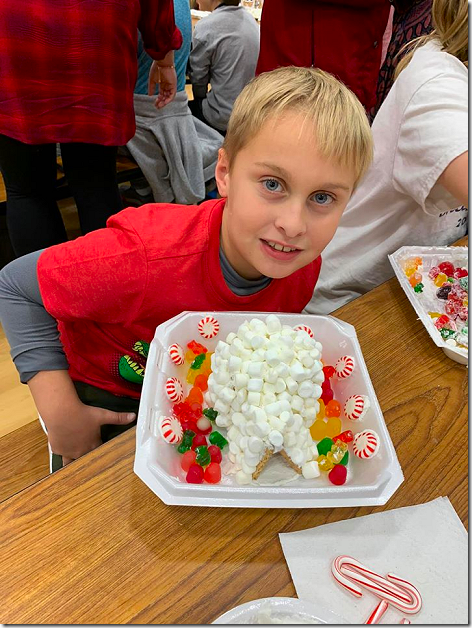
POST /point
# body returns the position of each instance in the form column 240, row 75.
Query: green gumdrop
column 217, row 439
column 203, row 457
column 419, row 287
column 451, row 279
column 210, row 413
column 183, row 448
column 324, row 446
column 446, row 333
column 345, row 460
column 197, row 363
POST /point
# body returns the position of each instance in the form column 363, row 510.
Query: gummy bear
column 203, row 455
column 333, row 427
column 441, row 321
column 440, row 279
column 206, row 366
column 321, row 411
column 409, row 267
column 333, row 409
column 195, row 395
column 195, row 474
column 461, row 272
column 192, row 376
column 419, row 287
column 336, row 454
column 218, row 439
column 324, row 446
column 324, row 464
column 446, row 333
column 345, row 437
column 329, row 371
column 210, row 413
column 196, row 347
column 189, row 356
column 197, row 362
column 415, row 279
column 212, row 473
column 338, row 475
column 318, row 430
column 327, row 395
column 186, row 442
column 201, row 381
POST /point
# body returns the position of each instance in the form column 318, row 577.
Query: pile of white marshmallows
column 265, row 383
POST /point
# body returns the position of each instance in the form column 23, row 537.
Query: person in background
column 411, row 19
column 139, row 192
column 224, row 54
column 419, row 175
column 343, row 37
column 67, row 76
column 298, row 141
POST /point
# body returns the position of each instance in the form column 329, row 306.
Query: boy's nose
column 292, row 221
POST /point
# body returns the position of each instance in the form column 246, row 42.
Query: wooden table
column 92, row 544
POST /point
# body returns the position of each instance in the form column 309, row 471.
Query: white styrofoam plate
column 432, row 256
column 369, row 483
column 281, row 610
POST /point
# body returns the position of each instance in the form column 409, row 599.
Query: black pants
column 92, row 396
column 195, row 107
column 29, row 171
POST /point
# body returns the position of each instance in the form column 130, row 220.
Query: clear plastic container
column 369, row 482
column 424, row 302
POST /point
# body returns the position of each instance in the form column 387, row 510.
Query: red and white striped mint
column 176, row 354
column 366, row 444
column 208, row 327
column 170, row 429
column 304, row 328
column 356, row 407
column 174, row 389
column 344, row 366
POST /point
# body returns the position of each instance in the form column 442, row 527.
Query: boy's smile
column 284, row 200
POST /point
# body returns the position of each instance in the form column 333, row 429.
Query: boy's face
column 280, row 193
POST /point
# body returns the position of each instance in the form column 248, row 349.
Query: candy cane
column 395, row 590
column 378, row 612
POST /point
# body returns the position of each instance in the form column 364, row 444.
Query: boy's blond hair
column 333, row 112
column 451, row 29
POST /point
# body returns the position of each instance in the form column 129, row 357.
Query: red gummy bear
column 327, row 395
column 212, row 473
column 215, row 453
column 345, row 437
column 338, row 474
column 196, row 347
column 460, row 272
column 447, row 268
column 198, row 440
column 195, row 474
column 329, row 371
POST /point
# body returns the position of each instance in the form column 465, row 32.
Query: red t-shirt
column 111, row 288
column 68, row 69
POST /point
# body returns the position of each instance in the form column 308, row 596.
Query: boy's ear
column 222, row 173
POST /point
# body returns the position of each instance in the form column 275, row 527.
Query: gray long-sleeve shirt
column 224, row 54
column 32, row 332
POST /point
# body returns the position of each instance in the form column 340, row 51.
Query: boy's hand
column 76, row 432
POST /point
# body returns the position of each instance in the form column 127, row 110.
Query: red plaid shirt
column 68, row 69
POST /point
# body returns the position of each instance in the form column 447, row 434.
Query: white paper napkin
column 425, row 544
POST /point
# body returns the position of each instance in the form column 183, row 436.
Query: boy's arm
column 73, row 428
column 199, row 62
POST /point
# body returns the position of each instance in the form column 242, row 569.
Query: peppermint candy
column 170, row 429
column 366, row 444
column 304, row 328
column 356, row 407
column 176, row 354
column 174, row 390
column 344, row 366
column 208, row 327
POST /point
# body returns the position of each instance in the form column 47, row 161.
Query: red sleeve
column 158, row 29
column 100, row 277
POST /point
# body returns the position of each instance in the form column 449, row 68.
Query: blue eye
column 272, row 185
column 322, row 198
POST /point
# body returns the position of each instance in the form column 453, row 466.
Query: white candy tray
column 432, row 255
column 370, row 482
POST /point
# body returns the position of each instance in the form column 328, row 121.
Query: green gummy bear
column 203, row 457
column 446, row 333
column 324, row 446
column 217, row 439
column 419, row 287
column 210, row 413
column 197, row 363
column 345, row 460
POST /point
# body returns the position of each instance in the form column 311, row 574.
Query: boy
column 297, row 144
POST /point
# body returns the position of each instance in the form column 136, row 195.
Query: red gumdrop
column 195, row 474
column 451, row 307
column 441, row 321
column 338, row 474
column 212, row 473
column 461, row 272
column 188, row 425
column 204, row 426
column 199, row 439
column 181, row 410
column 327, row 395
column 188, row 459
column 196, row 410
column 345, row 437
column 215, row 453
column 329, row 371
column 447, row 268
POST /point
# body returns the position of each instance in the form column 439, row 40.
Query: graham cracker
column 264, row 460
column 287, row 458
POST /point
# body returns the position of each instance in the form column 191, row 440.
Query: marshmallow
column 227, row 394
column 297, row 403
column 255, row 445
column 289, row 439
column 272, row 357
column 230, row 337
column 257, row 342
column 276, row 438
column 275, row 423
column 243, row 478
column 255, row 369
column 310, row 470
column 273, row 408
column 221, row 407
column 273, row 324
column 254, row 398
column 306, row 389
column 234, row 364
column 280, row 385
column 255, row 385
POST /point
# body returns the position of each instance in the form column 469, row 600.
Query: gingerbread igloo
column 265, row 384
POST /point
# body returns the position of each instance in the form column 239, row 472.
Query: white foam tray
column 369, row 483
column 432, row 256
column 284, row 610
